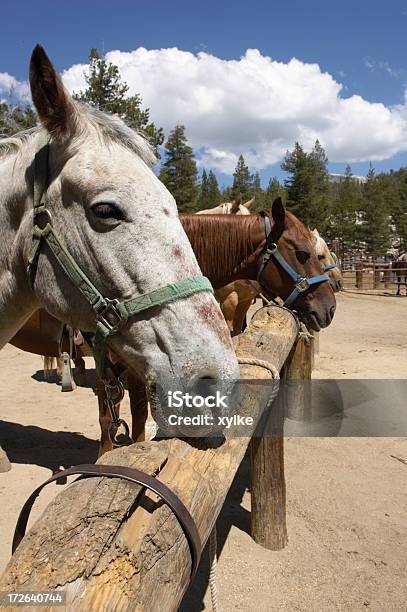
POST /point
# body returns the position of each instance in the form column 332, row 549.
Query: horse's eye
column 107, row 210
column 302, row 256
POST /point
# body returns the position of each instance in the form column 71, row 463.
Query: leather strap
column 132, row 475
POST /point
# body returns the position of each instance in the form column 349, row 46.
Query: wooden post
column 297, row 388
column 111, row 546
column 387, row 276
column 268, row 491
column 376, row 276
column 359, row 275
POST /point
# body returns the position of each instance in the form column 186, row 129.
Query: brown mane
column 222, row 242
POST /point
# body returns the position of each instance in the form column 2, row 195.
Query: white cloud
column 255, row 106
column 10, row 87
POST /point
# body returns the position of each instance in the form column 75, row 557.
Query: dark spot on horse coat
column 177, row 252
column 212, row 314
column 166, row 211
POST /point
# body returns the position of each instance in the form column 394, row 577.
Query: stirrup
column 68, row 383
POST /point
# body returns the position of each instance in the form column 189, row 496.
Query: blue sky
column 362, row 45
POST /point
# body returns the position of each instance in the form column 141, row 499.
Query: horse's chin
column 312, row 322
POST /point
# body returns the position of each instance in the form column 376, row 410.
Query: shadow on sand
column 54, row 450
column 39, row 376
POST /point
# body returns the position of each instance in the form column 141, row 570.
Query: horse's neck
column 223, row 256
column 17, row 302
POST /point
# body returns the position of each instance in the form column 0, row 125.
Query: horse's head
column 120, row 224
column 328, row 262
column 238, row 207
column 295, row 246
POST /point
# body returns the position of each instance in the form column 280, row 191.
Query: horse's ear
column 54, row 105
column 249, row 203
column 278, row 212
column 236, row 204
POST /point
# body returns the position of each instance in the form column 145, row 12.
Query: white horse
column 119, row 223
column 328, row 261
column 229, row 208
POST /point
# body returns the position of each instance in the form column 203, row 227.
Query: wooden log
column 111, row 546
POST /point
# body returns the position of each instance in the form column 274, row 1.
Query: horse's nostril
column 332, row 311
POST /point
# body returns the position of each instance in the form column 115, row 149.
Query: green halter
column 110, row 313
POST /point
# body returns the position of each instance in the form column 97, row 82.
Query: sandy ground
column 346, row 497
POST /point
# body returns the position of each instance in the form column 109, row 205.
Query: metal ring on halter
column 113, row 436
column 40, row 213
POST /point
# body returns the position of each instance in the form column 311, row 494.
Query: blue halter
column 301, row 283
column 329, row 267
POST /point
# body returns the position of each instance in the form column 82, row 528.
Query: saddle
column 42, row 334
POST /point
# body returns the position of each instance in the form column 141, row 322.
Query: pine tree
column 398, row 208
column 346, row 200
column 320, row 198
column 203, row 197
column 274, row 189
column 257, row 193
column 299, row 184
column 107, row 91
column 214, row 194
column 374, row 227
column 15, row 119
column 307, row 185
column 178, row 172
column 242, row 180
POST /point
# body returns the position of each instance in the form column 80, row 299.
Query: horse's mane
column 109, row 128
column 220, row 242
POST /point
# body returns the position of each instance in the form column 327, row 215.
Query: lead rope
column 213, row 558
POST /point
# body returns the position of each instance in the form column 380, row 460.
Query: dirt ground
column 346, row 497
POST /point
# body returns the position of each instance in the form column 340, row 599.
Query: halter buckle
column 302, row 284
column 110, row 317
